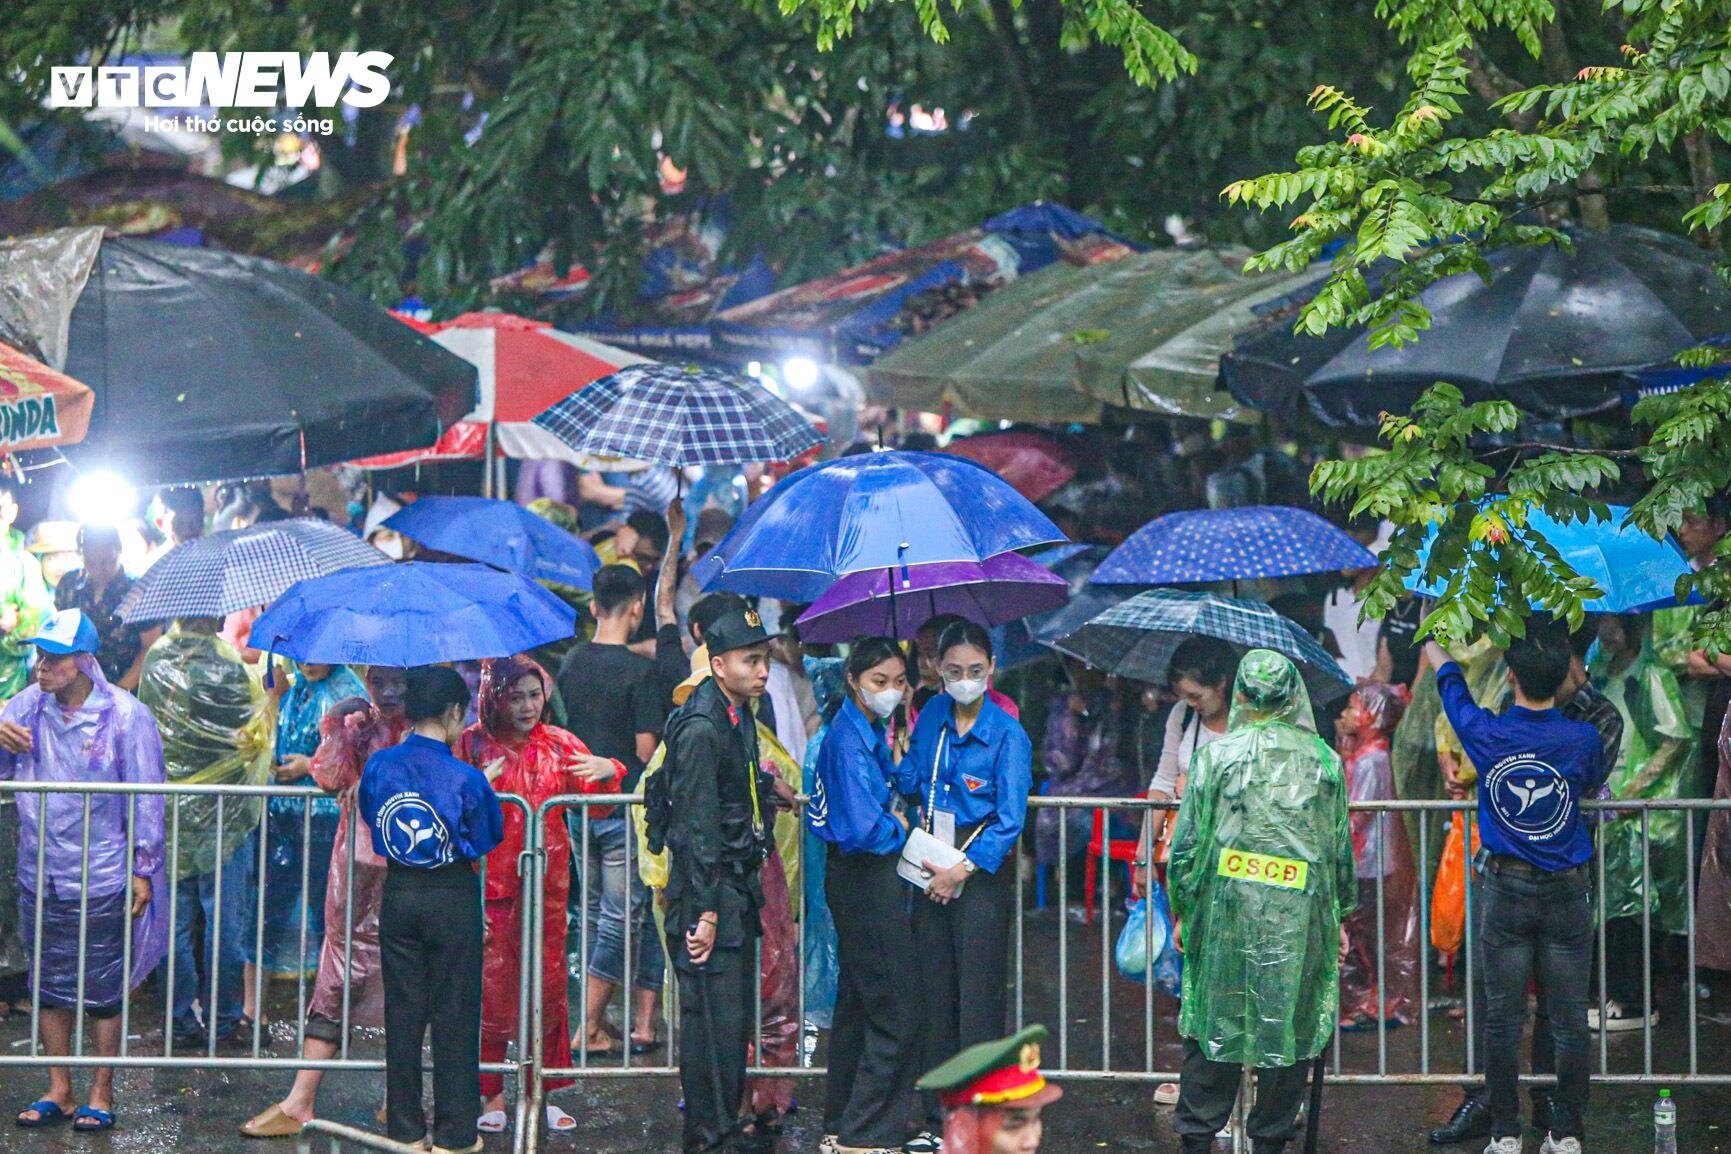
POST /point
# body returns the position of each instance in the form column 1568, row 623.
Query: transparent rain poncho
column 1385, row 868
column 1656, row 762
column 1261, row 875
column 296, row 842
column 1713, row 905
column 218, row 728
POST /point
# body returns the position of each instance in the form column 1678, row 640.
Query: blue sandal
column 48, row 1113
column 90, row 1120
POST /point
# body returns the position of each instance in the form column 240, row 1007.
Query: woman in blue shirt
column 971, row 767
column 875, row 1046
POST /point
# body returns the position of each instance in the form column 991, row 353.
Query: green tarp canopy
column 1145, row 333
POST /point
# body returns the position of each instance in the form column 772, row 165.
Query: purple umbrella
column 989, row 592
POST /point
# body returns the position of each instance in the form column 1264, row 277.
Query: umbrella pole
column 895, row 622
column 487, row 464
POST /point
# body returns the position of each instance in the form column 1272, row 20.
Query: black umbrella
column 1553, row 332
column 210, row 365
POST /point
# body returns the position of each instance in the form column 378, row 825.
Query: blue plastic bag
column 1148, row 930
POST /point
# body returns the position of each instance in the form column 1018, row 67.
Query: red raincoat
column 542, row 766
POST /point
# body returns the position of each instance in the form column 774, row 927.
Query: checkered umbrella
column 672, row 415
column 241, row 568
column 1136, row 638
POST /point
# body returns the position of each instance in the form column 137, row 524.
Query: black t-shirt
column 611, row 695
column 1400, row 630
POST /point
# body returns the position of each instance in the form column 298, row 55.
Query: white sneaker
column 1555, row 1145
column 1617, row 1019
column 925, row 1142
column 1504, row 1146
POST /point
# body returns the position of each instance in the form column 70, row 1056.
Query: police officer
column 718, row 837
column 992, row 1094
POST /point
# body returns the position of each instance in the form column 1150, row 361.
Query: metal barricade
column 1105, row 1027
column 1087, row 1001
column 215, row 1053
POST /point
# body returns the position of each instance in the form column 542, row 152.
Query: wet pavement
column 198, row 1110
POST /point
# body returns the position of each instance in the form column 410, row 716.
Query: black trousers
column 1543, row 1055
column 1536, row 926
column 1208, row 1090
column 875, row 1046
column 964, row 951
column 430, row 955
column 717, row 1003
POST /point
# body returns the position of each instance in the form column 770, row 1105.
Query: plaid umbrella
column 240, row 568
column 1136, row 638
column 680, row 416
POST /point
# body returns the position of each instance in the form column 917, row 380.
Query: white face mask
column 883, row 702
column 965, row 692
column 390, row 545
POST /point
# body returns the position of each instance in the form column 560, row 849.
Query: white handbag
column 920, row 848
column 923, row 845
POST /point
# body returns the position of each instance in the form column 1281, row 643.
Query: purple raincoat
column 110, row 738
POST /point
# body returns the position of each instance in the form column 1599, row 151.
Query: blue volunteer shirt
column 851, row 798
column 426, row 808
column 984, row 778
column 1535, row 767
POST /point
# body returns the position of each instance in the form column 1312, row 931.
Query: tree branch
column 1529, row 446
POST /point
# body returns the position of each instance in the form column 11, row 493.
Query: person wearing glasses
column 970, row 768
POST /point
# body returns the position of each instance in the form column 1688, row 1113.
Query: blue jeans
column 198, row 895
column 1535, row 925
column 610, row 885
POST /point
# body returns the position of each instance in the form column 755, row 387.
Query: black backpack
column 658, row 796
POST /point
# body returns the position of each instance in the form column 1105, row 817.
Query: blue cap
column 68, row 631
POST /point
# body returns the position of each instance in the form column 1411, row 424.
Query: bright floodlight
column 799, row 372
column 102, row 498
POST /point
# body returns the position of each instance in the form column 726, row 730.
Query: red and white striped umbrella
column 525, row 367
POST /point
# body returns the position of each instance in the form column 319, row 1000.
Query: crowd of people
column 879, row 790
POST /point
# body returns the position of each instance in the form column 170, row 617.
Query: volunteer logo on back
column 414, row 834
column 1530, row 797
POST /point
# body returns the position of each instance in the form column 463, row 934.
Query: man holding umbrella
column 714, row 818
column 1261, row 876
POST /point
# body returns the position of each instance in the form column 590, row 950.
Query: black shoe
column 1196, row 1145
column 1472, row 1120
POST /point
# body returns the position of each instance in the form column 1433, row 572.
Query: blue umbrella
column 500, row 533
column 1636, row 573
column 417, row 613
column 1241, row 544
column 871, row 511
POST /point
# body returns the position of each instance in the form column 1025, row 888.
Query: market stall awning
column 1145, row 332
column 853, row 316
column 39, row 407
column 524, row 367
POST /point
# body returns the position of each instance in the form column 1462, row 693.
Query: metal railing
column 1106, row 1026
column 217, row 1051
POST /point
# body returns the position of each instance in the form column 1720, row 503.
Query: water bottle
column 1665, row 1124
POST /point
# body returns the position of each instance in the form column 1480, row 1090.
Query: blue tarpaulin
column 850, row 317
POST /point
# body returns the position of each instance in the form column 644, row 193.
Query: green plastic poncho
column 1657, row 761
column 26, row 596
column 218, row 728
column 1261, row 876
